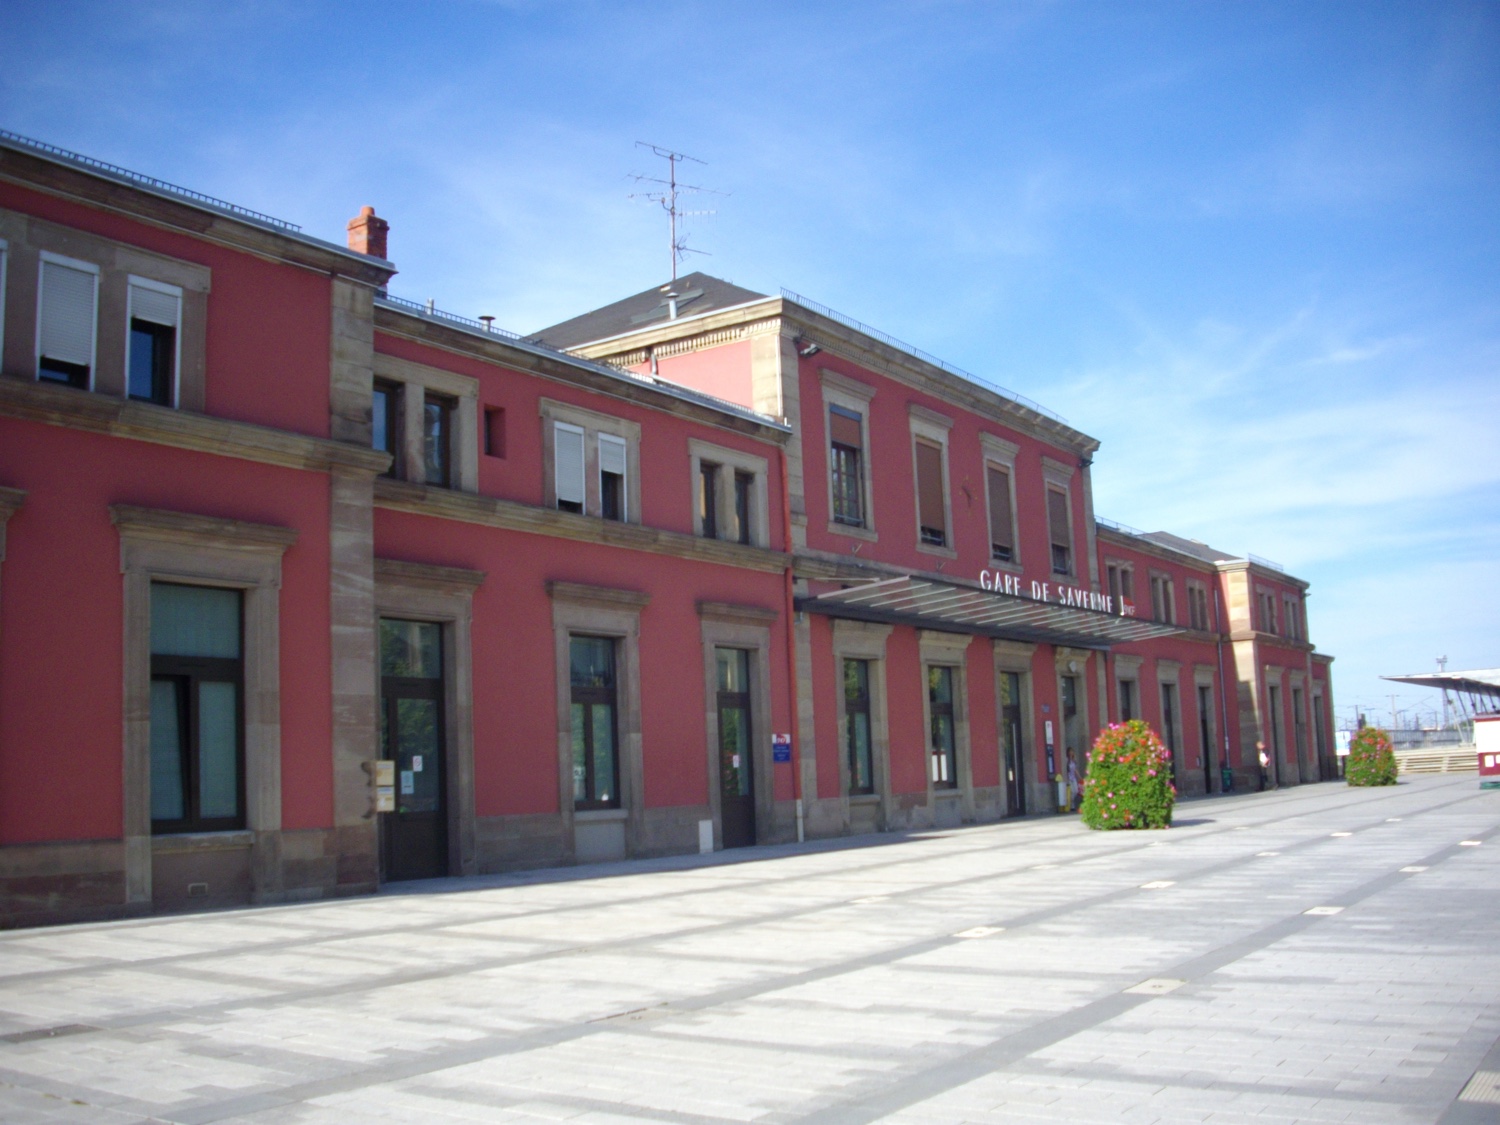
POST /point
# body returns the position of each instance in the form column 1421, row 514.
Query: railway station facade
column 305, row 588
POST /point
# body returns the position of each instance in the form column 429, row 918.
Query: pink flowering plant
column 1129, row 783
column 1372, row 758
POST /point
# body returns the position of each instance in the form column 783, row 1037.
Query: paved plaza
column 1319, row 954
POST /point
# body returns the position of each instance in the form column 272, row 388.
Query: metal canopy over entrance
column 925, row 604
column 1477, row 691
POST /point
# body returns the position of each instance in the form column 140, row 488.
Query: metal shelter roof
column 926, row 604
column 1478, row 689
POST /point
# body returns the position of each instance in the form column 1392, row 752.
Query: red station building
column 304, row 588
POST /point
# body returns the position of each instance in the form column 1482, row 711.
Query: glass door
column 736, row 769
column 415, row 836
column 1010, row 734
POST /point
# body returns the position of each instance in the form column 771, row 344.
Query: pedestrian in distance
column 1074, row 785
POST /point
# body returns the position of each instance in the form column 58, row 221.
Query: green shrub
column 1372, row 758
column 1129, row 783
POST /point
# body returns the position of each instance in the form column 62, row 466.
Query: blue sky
column 1252, row 247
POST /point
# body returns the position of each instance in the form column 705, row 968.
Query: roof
column 1477, row 681
column 1194, row 547
column 928, row 604
column 697, row 293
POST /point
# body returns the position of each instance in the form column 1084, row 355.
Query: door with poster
column 414, row 837
column 736, row 769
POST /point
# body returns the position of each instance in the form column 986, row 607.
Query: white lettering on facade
column 999, row 582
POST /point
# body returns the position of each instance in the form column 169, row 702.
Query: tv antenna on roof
column 668, row 198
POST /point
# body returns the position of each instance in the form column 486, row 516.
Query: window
column 1060, row 530
column 1206, row 731
column 1320, row 735
column 1002, row 520
column 932, row 523
column 1273, row 720
column 385, row 424
column 612, row 503
column 494, row 431
column 1127, row 700
column 197, row 678
column 437, row 440
column 736, row 746
column 568, row 466
column 1012, row 743
column 1299, row 726
column 1198, row 606
column 708, row 499
column 595, row 756
column 857, row 727
column 944, row 741
column 1266, row 610
column 845, row 429
column 1291, row 617
column 155, row 312
column 1163, row 608
column 1075, row 731
column 1121, row 580
column 67, row 312
column 744, row 489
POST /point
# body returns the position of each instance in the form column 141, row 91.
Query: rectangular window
column 932, row 523
column 1267, row 607
column 943, row 741
column 744, row 485
column 1299, row 726
column 1162, row 607
column 612, row 477
column 1206, row 730
column 857, row 727
column 736, row 773
column 846, row 455
column 596, row 761
column 1074, row 723
column 1273, row 720
column 708, row 499
column 1002, row 524
column 385, row 424
column 1320, row 733
column 1060, row 531
column 197, row 722
column 1127, row 700
column 494, row 431
column 437, row 440
column 155, row 316
column 1169, row 721
column 568, row 455
column 67, row 311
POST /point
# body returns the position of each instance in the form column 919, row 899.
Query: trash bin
column 1226, row 780
column 1062, row 794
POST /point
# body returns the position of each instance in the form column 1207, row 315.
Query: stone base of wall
column 72, row 881
column 518, row 843
column 672, row 830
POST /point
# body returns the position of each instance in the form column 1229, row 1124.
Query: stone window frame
column 1265, row 604
column 863, row 640
column 1002, row 454
column 442, row 595
column 1299, row 718
column 1275, row 736
column 416, row 381
column 592, row 423
column 851, row 394
column 26, row 239
column 930, row 426
column 1169, row 595
column 1016, row 656
column 1127, row 669
column 1124, row 566
column 745, row 627
column 948, row 650
column 733, row 461
column 158, row 545
column 1058, row 476
column 1204, row 675
column 1196, row 589
column 601, row 611
column 1292, row 617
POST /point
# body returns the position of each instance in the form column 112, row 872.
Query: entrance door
column 1010, row 735
column 736, row 772
column 1206, row 735
column 415, row 836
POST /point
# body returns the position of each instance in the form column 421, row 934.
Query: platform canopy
column 1478, row 690
column 926, row 604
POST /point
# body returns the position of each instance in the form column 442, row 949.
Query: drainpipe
column 791, row 645
column 1223, row 685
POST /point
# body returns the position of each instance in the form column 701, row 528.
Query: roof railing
column 1123, row 528
column 1266, row 563
column 144, row 180
column 429, row 308
column 918, row 353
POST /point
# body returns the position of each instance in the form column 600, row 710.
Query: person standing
column 1074, row 784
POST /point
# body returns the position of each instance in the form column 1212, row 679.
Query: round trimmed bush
column 1372, row 758
column 1129, row 783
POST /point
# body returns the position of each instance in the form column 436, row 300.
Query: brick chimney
column 367, row 233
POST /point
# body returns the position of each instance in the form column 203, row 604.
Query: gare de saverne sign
column 1001, row 582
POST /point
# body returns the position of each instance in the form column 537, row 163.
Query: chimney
column 367, row 233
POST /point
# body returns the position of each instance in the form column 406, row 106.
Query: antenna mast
column 668, row 198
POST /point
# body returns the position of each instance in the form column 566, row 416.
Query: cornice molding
column 427, row 576
column 90, row 412
column 442, row 503
column 189, row 529
column 577, row 593
column 737, row 614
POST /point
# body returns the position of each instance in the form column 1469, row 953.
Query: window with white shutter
column 612, row 501
column 67, row 303
column 568, row 457
column 155, row 319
